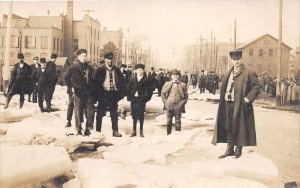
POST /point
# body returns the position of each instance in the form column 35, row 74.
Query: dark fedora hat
column 109, row 55
column 42, row 60
column 175, row 71
column 20, row 56
column 236, row 54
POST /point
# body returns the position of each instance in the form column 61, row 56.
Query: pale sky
column 170, row 25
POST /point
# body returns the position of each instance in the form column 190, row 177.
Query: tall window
column 2, row 41
column 54, row 40
column 27, row 55
column 57, row 42
column 75, row 44
column 12, row 55
column 270, row 52
column 260, row 52
column 43, row 55
column 30, row 42
column 250, row 52
column 44, row 42
column 14, row 41
column 61, row 46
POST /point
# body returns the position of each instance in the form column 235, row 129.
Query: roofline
column 267, row 34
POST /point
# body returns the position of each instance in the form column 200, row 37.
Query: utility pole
column 235, row 34
column 214, row 55
column 211, row 50
column 88, row 32
column 6, row 72
column 216, row 68
column 278, row 101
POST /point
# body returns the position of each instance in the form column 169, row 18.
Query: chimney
column 68, row 33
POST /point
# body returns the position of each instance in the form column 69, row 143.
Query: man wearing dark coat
column 41, row 77
column 70, row 108
column 160, row 81
column 139, row 93
column 79, row 80
column 20, row 82
column 111, row 89
column 174, row 96
column 185, row 78
column 153, row 77
column 51, row 71
column 201, row 82
column 33, row 68
column 235, row 118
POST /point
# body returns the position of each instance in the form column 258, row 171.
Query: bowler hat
column 152, row 68
column 175, row 71
column 36, row 58
column 53, row 56
column 20, row 56
column 42, row 60
column 139, row 66
column 109, row 55
column 236, row 54
column 80, row 51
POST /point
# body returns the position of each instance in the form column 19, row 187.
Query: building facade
column 35, row 36
column 261, row 55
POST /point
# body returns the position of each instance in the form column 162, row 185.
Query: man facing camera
column 174, row 95
column 235, row 118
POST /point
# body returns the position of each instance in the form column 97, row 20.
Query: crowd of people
column 106, row 84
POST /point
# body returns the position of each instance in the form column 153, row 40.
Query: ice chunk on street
column 93, row 173
column 29, row 164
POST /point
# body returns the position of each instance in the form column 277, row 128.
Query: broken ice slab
column 30, row 164
column 94, row 173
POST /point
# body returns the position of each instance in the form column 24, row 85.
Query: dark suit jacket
column 99, row 78
column 143, row 87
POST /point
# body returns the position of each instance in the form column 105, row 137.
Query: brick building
column 261, row 55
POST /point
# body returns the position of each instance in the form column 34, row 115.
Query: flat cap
column 139, row 66
column 123, row 65
column 175, row 71
column 236, row 54
column 36, row 58
column 53, row 56
column 80, row 51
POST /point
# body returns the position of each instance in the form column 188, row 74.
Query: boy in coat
column 139, row 93
column 174, row 95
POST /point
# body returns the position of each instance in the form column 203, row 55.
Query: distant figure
column 111, row 89
column 174, row 95
column 185, row 78
column 201, row 82
column 20, row 82
column 235, row 118
column 42, row 76
column 139, row 93
column 34, row 67
column 52, row 76
column 160, row 81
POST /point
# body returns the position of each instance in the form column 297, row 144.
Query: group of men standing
column 107, row 84
column 38, row 79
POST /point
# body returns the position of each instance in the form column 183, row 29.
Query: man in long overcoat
column 34, row 67
column 235, row 118
column 20, row 82
column 201, row 82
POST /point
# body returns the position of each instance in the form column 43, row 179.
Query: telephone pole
column 278, row 101
column 6, row 72
column 211, row 50
column 235, row 34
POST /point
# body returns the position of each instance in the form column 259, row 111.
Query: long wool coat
column 20, row 80
column 246, row 84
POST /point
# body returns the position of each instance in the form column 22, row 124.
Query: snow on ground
column 157, row 160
